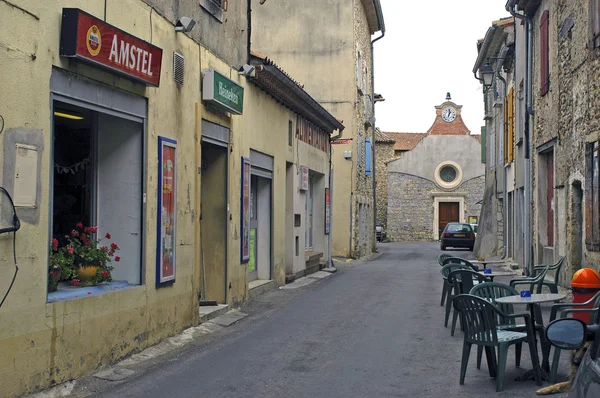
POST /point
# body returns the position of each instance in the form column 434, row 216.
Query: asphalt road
column 374, row 329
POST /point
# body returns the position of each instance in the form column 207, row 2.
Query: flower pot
column 85, row 274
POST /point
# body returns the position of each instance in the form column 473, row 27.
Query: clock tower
column 448, row 120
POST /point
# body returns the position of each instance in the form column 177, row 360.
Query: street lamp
column 487, row 72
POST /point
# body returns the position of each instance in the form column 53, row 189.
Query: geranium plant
column 84, row 249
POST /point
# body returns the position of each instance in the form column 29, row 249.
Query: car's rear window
column 459, row 228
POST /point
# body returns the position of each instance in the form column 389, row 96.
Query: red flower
column 70, row 250
column 94, row 229
column 104, row 249
column 54, row 244
column 114, row 246
column 88, row 230
column 108, row 236
column 74, row 233
column 79, row 225
column 117, row 259
column 111, row 253
column 51, row 274
column 74, row 282
column 105, row 274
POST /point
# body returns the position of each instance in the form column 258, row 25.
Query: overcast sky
column 429, row 49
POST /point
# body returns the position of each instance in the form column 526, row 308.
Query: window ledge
column 68, row 293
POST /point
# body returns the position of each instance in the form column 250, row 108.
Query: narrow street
column 374, row 329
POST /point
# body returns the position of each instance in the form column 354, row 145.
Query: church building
column 432, row 178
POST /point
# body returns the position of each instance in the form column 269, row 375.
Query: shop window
column 97, row 181
column 544, row 54
column 592, row 202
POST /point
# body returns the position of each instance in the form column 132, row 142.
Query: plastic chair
column 458, row 260
column 571, row 308
column 442, row 257
column 479, row 318
column 534, row 281
column 447, row 289
column 490, row 291
column 553, row 275
column 463, row 281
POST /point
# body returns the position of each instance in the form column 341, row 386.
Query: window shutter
column 544, row 61
column 368, row 157
column 483, row 140
column 511, row 124
column 505, row 135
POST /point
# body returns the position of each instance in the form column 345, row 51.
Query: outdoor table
column 535, row 299
column 486, row 262
column 495, row 273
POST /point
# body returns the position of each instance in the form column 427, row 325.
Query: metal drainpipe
column 529, row 111
column 374, row 159
column 504, row 185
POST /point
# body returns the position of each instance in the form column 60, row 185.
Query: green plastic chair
column 442, row 257
column 447, row 288
column 490, row 291
column 565, row 309
column 553, row 275
column 463, row 281
column 479, row 319
column 458, row 260
column 533, row 282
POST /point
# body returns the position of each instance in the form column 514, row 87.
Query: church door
column 448, row 212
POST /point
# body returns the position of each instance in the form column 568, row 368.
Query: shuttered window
column 483, row 146
column 368, row 157
column 592, row 199
column 510, row 122
column 595, row 23
column 544, row 58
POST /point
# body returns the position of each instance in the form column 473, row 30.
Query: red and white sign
column 345, row 141
column 303, row 178
column 92, row 40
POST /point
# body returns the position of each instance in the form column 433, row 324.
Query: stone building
column 328, row 46
column 503, row 200
column 437, row 180
column 557, row 113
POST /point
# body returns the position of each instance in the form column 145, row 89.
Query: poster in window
column 245, row 211
column 327, row 211
column 167, row 194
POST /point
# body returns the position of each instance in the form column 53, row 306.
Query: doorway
column 448, row 212
column 213, row 221
column 259, row 264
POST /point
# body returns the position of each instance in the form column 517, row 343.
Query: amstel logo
column 94, row 40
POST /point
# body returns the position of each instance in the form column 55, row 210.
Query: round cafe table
column 486, row 262
column 534, row 301
column 495, row 273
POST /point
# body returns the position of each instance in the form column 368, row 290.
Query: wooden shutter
column 505, row 130
column 511, row 124
column 544, row 61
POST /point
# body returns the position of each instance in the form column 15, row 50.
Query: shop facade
column 128, row 141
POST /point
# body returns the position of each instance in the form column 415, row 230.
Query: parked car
column 474, row 226
column 571, row 334
column 379, row 233
column 457, row 235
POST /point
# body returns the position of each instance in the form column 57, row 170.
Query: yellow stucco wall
column 43, row 344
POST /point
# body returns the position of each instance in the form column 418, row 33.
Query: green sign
column 252, row 260
column 222, row 92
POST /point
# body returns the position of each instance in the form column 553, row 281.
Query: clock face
column 448, row 115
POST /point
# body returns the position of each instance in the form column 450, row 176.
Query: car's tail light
column 446, row 234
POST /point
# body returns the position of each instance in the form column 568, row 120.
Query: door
column 253, row 261
column 550, row 204
column 213, row 221
column 309, row 208
column 448, row 212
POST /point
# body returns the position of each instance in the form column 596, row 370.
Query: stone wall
column 410, row 208
column 411, row 205
column 384, row 151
